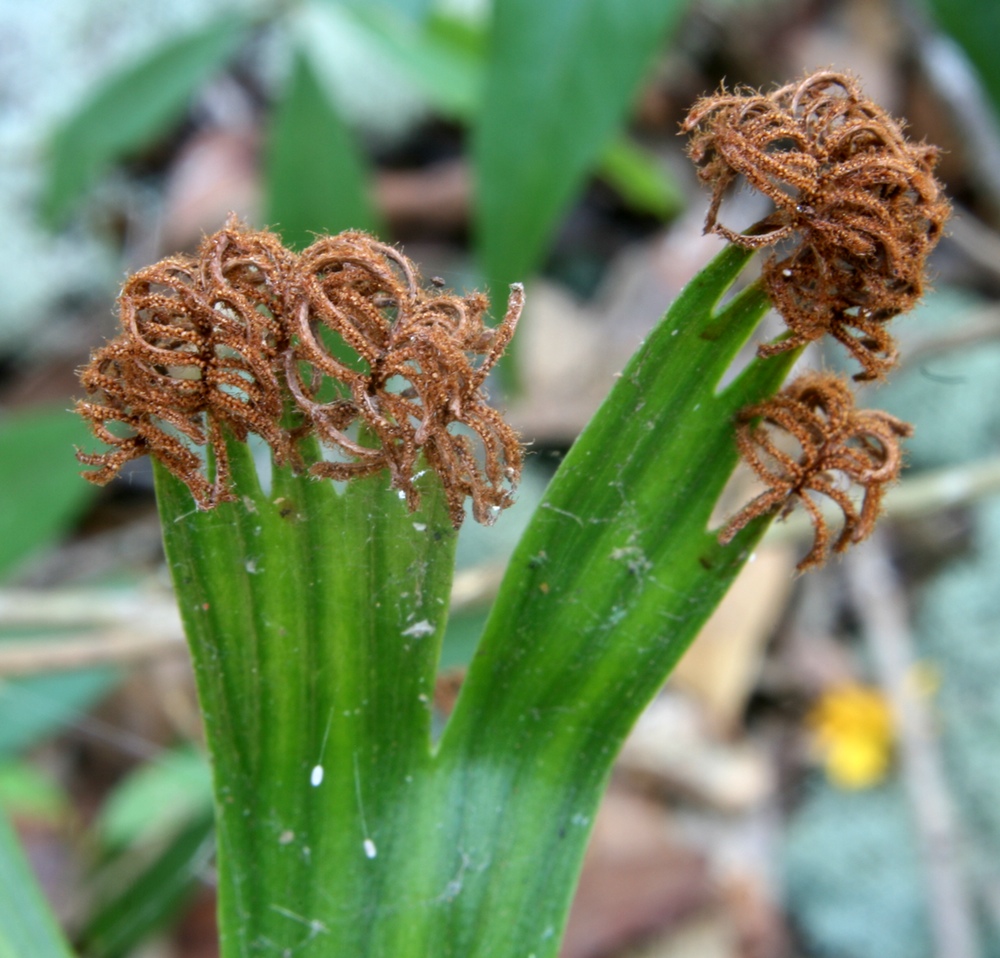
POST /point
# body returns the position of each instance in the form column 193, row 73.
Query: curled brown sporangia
column 196, row 353
column 839, row 446
column 339, row 342
column 857, row 209
column 415, row 388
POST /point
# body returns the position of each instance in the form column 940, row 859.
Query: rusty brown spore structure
column 339, row 342
column 857, row 208
column 857, row 211
column 839, row 447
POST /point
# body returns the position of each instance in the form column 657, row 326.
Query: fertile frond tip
column 340, row 342
column 857, row 208
column 841, row 449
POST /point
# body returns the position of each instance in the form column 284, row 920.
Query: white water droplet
column 370, row 850
column 316, row 778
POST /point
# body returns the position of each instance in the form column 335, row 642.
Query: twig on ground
column 119, row 626
column 955, row 82
column 85, row 650
column 921, row 496
column 880, row 605
column 977, row 241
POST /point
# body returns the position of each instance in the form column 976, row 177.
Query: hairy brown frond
column 839, row 446
column 379, row 369
column 857, row 209
column 418, row 383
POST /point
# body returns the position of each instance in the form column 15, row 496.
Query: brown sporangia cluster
column 857, row 209
column 340, row 343
column 839, row 447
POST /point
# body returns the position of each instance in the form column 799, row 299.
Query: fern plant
column 314, row 591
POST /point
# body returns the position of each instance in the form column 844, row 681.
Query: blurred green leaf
column 24, row 789
column 640, row 180
column 38, row 705
column 140, row 893
column 40, row 484
column 130, row 108
column 43, row 493
column 414, row 11
column 157, row 797
column 27, row 927
column 316, row 181
column 458, row 33
column 975, row 24
column 447, row 63
column 446, row 57
column 560, row 79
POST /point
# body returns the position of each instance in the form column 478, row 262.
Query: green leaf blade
column 315, row 617
column 149, row 897
column 974, row 25
column 130, row 108
column 39, row 481
column 608, row 587
column 446, row 63
column 559, row 81
column 414, row 11
column 35, row 706
column 639, row 179
column 27, row 927
column 155, row 798
column 315, row 175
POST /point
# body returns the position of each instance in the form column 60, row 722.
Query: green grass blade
column 130, row 108
column 975, row 25
column 447, row 60
column 155, row 799
column 560, row 79
column 414, row 11
column 447, row 65
column 35, row 706
column 316, row 180
column 27, row 927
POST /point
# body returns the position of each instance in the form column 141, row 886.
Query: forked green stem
column 315, row 617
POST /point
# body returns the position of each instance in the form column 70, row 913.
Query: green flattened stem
column 314, row 617
column 609, row 585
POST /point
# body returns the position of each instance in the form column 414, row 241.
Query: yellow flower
column 853, row 730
